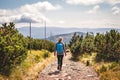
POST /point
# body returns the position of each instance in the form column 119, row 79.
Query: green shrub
column 12, row 48
column 37, row 58
column 86, row 55
column 46, row 54
column 103, row 69
column 113, row 64
column 108, row 46
column 38, row 44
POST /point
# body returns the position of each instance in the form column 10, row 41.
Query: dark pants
column 60, row 60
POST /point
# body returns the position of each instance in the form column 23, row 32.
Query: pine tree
column 12, row 48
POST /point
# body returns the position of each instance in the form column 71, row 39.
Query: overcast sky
column 62, row 13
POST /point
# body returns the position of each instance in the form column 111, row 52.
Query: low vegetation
column 39, row 44
column 12, row 48
column 31, row 66
column 105, row 70
column 101, row 51
column 15, row 58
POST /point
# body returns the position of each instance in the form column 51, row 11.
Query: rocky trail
column 70, row 71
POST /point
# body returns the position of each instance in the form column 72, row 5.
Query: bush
column 103, row 69
column 38, row 44
column 12, row 48
column 37, row 58
column 108, row 46
column 113, row 64
column 79, row 45
column 75, row 46
column 46, row 54
column 86, row 55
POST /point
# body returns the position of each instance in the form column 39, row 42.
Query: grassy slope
column 105, row 70
column 30, row 68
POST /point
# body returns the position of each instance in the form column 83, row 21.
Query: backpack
column 60, row 48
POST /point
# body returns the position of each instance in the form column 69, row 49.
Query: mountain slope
column 38, row 32
column 66, row 37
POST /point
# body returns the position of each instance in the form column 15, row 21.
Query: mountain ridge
column 66, row 37
column 38, row 32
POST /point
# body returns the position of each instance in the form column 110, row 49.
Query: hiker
column 60, row 52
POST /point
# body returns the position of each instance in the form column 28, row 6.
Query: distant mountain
column 66, row 37
column 38, row 32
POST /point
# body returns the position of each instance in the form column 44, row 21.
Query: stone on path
column 70, row 71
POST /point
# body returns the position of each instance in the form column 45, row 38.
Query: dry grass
column 105, row 70
column 33, row 72
column 113, row 74
column 30, row 68
column 87, row 57
column 2, row 77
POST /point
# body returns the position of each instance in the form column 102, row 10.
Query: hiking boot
column 58, row 67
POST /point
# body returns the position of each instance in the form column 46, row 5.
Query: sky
column 61, row 13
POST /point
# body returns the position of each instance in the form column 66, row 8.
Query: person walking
column 60, row 52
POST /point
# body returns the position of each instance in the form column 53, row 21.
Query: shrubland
column 101, row 51
column 15, row 57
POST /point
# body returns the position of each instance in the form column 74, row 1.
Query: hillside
column 38, row 32
column 66, row 37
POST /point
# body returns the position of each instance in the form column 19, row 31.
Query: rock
column 70, row 71
column 90, row 75
column 69, row 77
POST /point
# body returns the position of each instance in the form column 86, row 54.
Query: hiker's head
column 60, row 39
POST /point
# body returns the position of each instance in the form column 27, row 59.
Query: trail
column 70, row 71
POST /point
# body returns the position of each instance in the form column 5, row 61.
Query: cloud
column 91, row 2
column 83, row 2
column 61, row 22
column 94, row 10
column 116, row 10
column 27, row 13
column 40, row 6
column 25, row 18
column 113, row 2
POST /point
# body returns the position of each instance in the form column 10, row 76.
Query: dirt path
column 70, row 71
